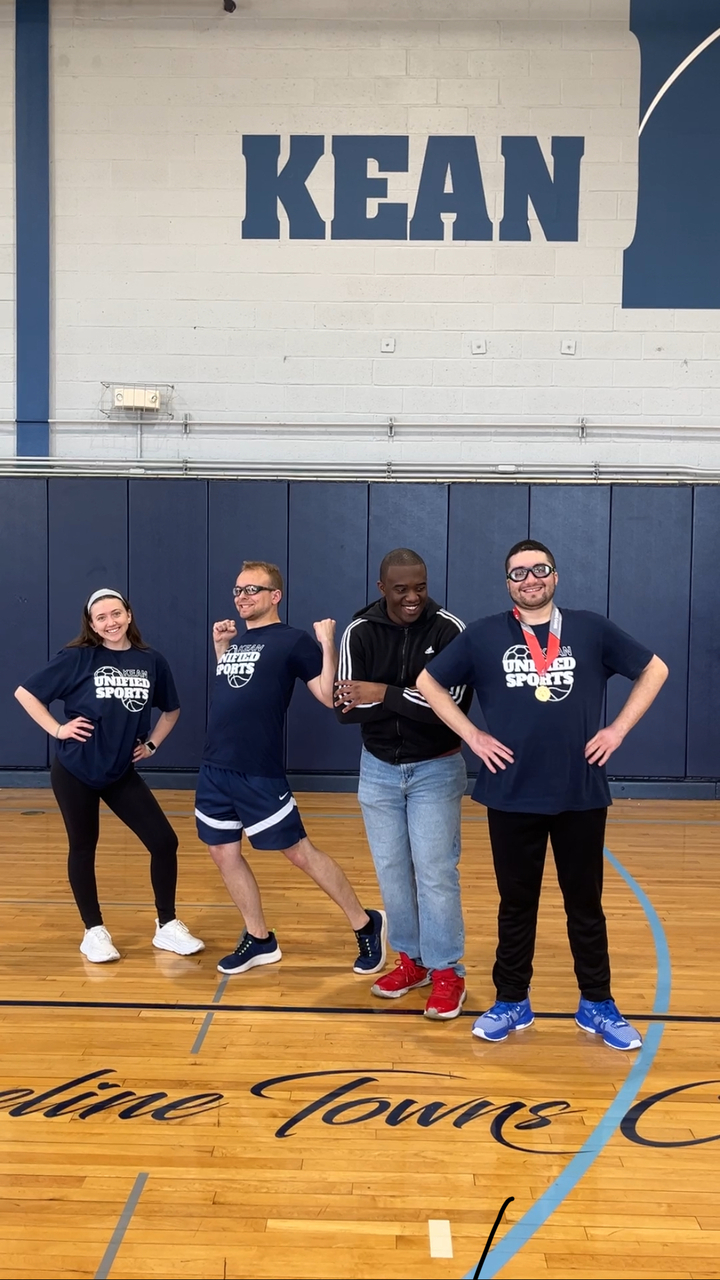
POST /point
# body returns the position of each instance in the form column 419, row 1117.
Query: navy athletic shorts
column 226, row 802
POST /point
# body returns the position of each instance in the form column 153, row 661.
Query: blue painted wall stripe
column 32, row 220
column 538, row 1214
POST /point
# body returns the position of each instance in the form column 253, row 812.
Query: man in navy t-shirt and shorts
column 540, row 678
column 242, row 781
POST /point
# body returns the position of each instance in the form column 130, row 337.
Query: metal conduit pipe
column 401, row 471
column 391, row 428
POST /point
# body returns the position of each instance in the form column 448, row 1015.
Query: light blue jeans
column 412, row 820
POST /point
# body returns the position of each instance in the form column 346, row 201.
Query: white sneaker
column 97, row 945
column 175, row 936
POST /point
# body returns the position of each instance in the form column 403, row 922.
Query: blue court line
column 123, row 1223
column 538, row 1214
column 219, row 992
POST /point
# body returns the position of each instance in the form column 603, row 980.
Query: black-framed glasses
column 250, row 590
column 520, row 572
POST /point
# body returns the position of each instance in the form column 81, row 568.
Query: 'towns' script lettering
column 152, row 1106
column 343, row 1104
column 346, row 1102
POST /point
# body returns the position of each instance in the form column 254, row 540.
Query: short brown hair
column 270, row 570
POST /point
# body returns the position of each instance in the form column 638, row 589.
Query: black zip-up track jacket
column 402, row 729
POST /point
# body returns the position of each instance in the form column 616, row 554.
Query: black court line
column 467, row 817
column 145, row 905
column 333, row 1010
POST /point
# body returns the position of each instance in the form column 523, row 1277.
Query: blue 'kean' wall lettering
column 674, row 259
column 267, row 186
column 456, row 158
column 556, row 200
column 450, row 182
column 353, row 188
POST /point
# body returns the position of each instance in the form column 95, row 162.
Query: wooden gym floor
column 315, row 1149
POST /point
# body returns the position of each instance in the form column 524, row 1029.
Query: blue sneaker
column 503, row 1018
column 603, row 1018
column 372, row 947
column 249, row 953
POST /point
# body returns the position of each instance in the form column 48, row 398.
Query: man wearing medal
column 540, row 677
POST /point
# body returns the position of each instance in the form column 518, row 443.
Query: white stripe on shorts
column 273, row 820
column 234, row 825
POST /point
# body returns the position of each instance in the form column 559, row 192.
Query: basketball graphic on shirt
column 131, row 688
column 236, row 679
column 132, row 704
column 238, row 664
column 521, row 673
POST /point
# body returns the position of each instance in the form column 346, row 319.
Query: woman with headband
column 109, row 680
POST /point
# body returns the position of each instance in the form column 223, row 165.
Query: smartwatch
column 151, row 747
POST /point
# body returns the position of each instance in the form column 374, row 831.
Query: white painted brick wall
column 7, row 225
column 154, row 282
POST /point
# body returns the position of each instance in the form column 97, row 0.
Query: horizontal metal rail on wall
column 401, row 471
column 384, row 428
column 391, row 428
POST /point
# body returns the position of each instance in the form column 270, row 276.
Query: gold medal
column 542, row 662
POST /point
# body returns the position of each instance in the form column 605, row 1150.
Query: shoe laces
column 246, row 942
column 444, row 983
column 609, row 1012
column 502, row 1009
column 365, row 941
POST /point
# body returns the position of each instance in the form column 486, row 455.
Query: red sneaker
column 448, row 994
column 405, row 977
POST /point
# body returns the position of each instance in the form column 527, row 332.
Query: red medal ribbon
column 542, row 661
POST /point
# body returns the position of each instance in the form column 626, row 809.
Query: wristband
column 151, row 747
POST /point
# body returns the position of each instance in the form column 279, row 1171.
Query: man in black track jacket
column 412, row 779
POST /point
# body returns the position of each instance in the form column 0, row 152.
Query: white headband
column 100, row 595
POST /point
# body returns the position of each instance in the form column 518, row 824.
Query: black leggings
column 134, row 804
column 519, row 842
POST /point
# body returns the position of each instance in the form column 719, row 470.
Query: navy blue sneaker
column 603, row 1018
column 249, row 953
column 372, row 947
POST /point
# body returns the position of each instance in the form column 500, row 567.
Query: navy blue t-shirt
column 116, row 689
column 550, row 773
column 254, row 681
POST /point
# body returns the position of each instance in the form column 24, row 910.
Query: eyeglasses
column 249, row 590
column 520, row 572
